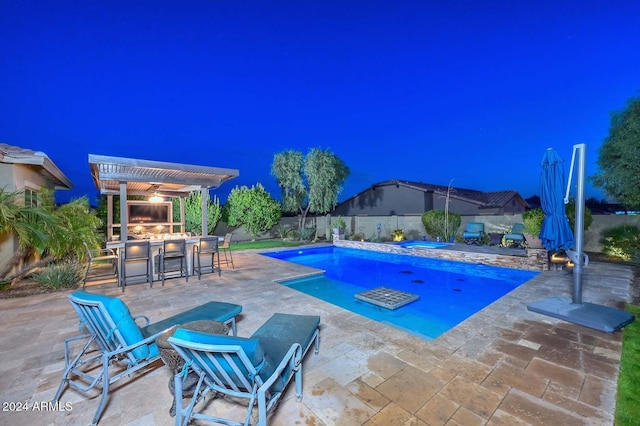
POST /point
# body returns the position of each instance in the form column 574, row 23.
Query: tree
column 193, row 213
column 51, row 232
column 309, row 183
column 252, row 207
column 619, row 157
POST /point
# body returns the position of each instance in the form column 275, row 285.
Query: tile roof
column 484, row 199
column 36, row 159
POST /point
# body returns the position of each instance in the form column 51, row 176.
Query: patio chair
column 257, row 368
column 474, row 233
column 204, row 256
column 516, row 236
column 136, row 262
column 113, row 346
column 172, row 252
column 225, row 248
column 100, row 256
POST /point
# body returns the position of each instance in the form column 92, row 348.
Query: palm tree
column 50, row 232
column 26, row 224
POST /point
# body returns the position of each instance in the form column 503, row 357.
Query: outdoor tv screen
column 149, row 212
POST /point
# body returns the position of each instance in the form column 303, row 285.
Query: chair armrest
column 293, row 357
column 127, row 349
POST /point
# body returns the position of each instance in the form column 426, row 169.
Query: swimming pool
column 449, row 292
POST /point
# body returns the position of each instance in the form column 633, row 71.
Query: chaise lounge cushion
column 213, row 311
column 124, row 322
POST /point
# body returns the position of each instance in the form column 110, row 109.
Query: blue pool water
column 449, row 291
column 422, row 244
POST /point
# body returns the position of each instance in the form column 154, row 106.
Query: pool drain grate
column 386, row 297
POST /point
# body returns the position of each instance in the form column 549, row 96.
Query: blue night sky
column 469, row 91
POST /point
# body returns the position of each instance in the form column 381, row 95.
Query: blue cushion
column 213, row 311
column 124, row 322
column 475, row 227
column 251, row 347
column 279, row 333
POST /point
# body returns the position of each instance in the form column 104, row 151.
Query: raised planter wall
column 536, row 259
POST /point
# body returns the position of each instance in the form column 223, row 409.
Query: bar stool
column 100, row 256
column 135, row 256
column 226, row 249
column 206, row 250
column 170, row 253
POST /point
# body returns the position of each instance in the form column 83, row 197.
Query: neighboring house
column 29, row 171
column 401, row 197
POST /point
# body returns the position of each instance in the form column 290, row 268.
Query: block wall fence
column 374, row 226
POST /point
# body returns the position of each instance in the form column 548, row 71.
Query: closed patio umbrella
column 556, row 232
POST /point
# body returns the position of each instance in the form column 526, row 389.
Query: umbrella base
column 590, row 315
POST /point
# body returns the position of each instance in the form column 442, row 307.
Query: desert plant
column 61, row 275
column 307, row 234
column 436, row 225
column 398, row 235
column 357, row 237
column 283, row 231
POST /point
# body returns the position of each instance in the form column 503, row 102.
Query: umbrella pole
column 579, row 223
column 599, row 317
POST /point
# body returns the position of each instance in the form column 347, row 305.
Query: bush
column 306, row 234
column 63, row 275
column 622, row 241
column 436, row 226
column 283, row 231
column 570, row 210
column 532, row 220
column 398, row 235
column 339, row 223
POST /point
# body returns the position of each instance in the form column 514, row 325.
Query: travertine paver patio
column 503, row 366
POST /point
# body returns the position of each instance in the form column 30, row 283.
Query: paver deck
column 503, row 366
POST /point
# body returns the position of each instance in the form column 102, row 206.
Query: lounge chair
column 516, row 236
column 257, row 368
column 474, row 233
column 112, row 336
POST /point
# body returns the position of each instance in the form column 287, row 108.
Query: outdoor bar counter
column 157, row 242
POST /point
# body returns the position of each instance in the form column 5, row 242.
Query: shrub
column 357, row 237
column 58, row 276
column 532, row 220
column 339, row 223
column 436, row 225
column 622, row 241
column 307, row 234
column 398, row 235
column 570, row 210
column 283, row 231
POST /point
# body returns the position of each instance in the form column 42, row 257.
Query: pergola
column 129, row 176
